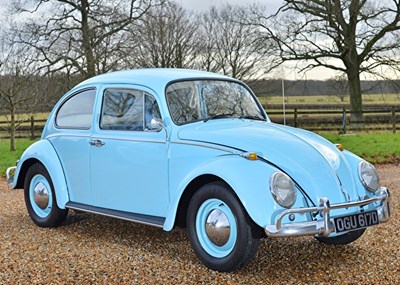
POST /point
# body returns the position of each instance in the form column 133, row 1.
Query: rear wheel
column 346, row 238
column 40, row 198
column 219, row 228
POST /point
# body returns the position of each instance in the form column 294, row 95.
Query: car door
column 70, row 138
column 128, row 158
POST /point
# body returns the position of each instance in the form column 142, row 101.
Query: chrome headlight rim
column 362, row 165
column 272, row 183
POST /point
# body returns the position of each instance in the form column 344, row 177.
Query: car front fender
column 43, row 151
column 248, row 179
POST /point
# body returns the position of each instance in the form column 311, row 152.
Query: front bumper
column 325, row 226
column 10, row 176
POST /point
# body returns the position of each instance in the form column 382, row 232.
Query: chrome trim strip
column 126, row 216
column 10, row 172
column 325, row 227
column 95, row 137
column 227, row 149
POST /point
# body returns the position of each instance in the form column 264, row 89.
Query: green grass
column 7, row 157
column 374, row 147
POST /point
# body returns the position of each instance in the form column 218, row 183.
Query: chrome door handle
column 97, row 143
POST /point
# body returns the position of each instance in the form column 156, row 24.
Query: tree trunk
column 356, row 117
column 87, row 40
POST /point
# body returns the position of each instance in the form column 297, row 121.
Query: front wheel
column 346, row 238
column 40, row 198
column 219, row 228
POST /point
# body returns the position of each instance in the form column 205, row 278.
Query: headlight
column 368, row 176
column 282, row 189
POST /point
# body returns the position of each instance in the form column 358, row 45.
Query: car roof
column 150, row 76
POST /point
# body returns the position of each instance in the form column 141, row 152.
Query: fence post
column 32, row 128
column 344, row 120
column 295, row 117
column 394, row 119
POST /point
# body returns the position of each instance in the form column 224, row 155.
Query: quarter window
column 128, row 110
column 151, row 111
column 77, row 111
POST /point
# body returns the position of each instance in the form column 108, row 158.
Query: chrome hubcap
column 218, row 228
column 41, row 195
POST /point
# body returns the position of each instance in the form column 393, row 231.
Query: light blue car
column 171, row 147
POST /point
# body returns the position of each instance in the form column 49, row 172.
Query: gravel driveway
column 91, row 249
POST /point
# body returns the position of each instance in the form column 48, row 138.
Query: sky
column 202, row 5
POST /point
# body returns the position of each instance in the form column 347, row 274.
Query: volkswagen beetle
column 171, row 147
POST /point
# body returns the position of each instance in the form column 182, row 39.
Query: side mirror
column 157, row 124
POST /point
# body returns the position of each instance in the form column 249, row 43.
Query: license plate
column 356, row 221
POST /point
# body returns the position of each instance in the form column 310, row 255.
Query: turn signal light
column 250, row 155
column 340, row 147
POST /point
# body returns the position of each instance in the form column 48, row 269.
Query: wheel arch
column 248, row 180
column 24, row 169
column 193, row 187
column 43, row 152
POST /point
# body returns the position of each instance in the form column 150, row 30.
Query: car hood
column 312, row 161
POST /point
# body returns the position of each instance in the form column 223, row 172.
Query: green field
column 372, row 99
column 375, row 147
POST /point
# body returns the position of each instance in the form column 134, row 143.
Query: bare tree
column 17, row 88
column 350, row 36
column 87, row 35
column 164, row 37
column 207, row 33
column 340, row 85
column 228, row 44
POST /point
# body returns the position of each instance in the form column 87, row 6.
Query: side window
column 151, row 111
column 127, row 110
column 77, row 111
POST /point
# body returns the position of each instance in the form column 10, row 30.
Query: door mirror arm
column 158, row 124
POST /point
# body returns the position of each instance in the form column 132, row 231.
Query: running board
column 131, row 217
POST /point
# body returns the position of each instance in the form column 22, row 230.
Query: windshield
column 190, row 101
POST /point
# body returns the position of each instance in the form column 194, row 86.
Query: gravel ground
column 90, row 249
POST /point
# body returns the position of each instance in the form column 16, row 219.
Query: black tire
column 241, row 246
column 43, row 210
column 346, row 238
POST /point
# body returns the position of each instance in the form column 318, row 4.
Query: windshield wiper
column 219, row 116
column 251, row 117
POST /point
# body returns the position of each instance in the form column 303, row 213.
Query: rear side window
column 77, row 111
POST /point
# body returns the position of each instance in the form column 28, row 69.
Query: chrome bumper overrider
column 325, row 226
column 10, row 176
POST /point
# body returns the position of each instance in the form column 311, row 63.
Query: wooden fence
column 29, row 129
column 313, row 118
column 336, row 118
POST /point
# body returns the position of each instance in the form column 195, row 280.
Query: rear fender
column 43, row 151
